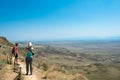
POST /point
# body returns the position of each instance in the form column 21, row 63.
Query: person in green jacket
column 29, row 60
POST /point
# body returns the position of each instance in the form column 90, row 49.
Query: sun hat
column 29, row 44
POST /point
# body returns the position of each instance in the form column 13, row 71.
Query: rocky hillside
column 51, row 72
column 5, row 51
column 4, row 41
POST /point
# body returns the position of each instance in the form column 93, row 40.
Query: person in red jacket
column 16, row 52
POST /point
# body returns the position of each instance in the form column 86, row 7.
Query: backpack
column 13, row 50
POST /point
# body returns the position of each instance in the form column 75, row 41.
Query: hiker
column 29, row 58
column 31, row 47
column 15, row 52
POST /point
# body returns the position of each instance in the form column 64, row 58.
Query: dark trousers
column 29, row 63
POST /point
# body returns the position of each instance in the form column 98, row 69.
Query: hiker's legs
column 16, row 58
column 27, row 65
column 31, row 69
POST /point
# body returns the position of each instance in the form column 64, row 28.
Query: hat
column 30, row 44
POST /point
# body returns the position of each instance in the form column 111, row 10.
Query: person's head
column 29, row 44
column 16, row 44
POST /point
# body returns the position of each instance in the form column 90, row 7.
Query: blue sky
column 59, row 19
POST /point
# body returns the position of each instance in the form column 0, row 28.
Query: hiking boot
column 26, row 73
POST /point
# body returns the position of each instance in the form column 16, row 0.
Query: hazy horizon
column 25, row 20
column 113, row 39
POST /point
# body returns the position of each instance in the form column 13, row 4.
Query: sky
column 59, row 19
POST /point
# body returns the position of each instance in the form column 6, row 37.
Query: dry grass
column 53, row 73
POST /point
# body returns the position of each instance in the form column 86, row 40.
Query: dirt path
column 27, row 77
column 11, row 75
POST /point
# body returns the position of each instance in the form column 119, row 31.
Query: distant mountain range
column 109, row 39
